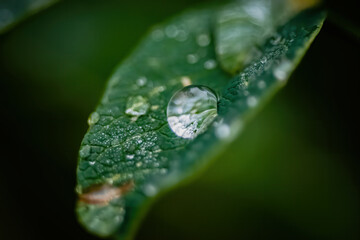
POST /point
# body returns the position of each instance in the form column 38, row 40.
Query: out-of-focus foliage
column 13, row 11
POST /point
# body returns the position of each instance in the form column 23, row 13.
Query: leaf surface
column 130, row 155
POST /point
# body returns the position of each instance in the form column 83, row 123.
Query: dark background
column 293, row 174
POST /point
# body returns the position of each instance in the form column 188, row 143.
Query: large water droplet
column 191, row 110
column 137, row 106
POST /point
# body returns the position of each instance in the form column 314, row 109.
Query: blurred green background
column 293, row 173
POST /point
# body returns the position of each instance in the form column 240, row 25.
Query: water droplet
column 137, row 106
column 141, row 81
column 85, row 151
column 203, row 40
column 263, row 60
column 181, row 36
column 155, row 107
column 261, row 84
column 191, row 110
column 210, row 64
column 92, row 163
column 222, row 131
column 192, row 58
column 134, row 119
column 251, row 101
column 150, row 190
column 282, row 71
column 130, row 156
column 93, row 118
column 157, row 90
column 171, row 31
column 275, row 40
column 185, row 81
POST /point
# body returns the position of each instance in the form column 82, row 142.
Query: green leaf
column 13, row 11
column 130, row 155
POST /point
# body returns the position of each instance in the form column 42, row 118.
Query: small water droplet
column 150, row 190
column 261, row 84
column 281, row 72
column 134, row 119
column 85, row 151
column 203, row 40
column 130, row 156
column 137, row 106
column 157, row 90
column 171, row 31
column 222, row 131
column 185, row 81
column 275, row 40
column 155, row 107
column 251, row 101
column 192, row 58
column 93, row 118
column 181, row 36
column 141, row 81
column 210, row 64
column 191, row 110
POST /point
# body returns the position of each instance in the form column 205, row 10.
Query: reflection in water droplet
column 137, row 106
column 191, row 110
column 93, row 118
column 130, row 156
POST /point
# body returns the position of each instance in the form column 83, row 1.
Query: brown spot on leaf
column 103, row 194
